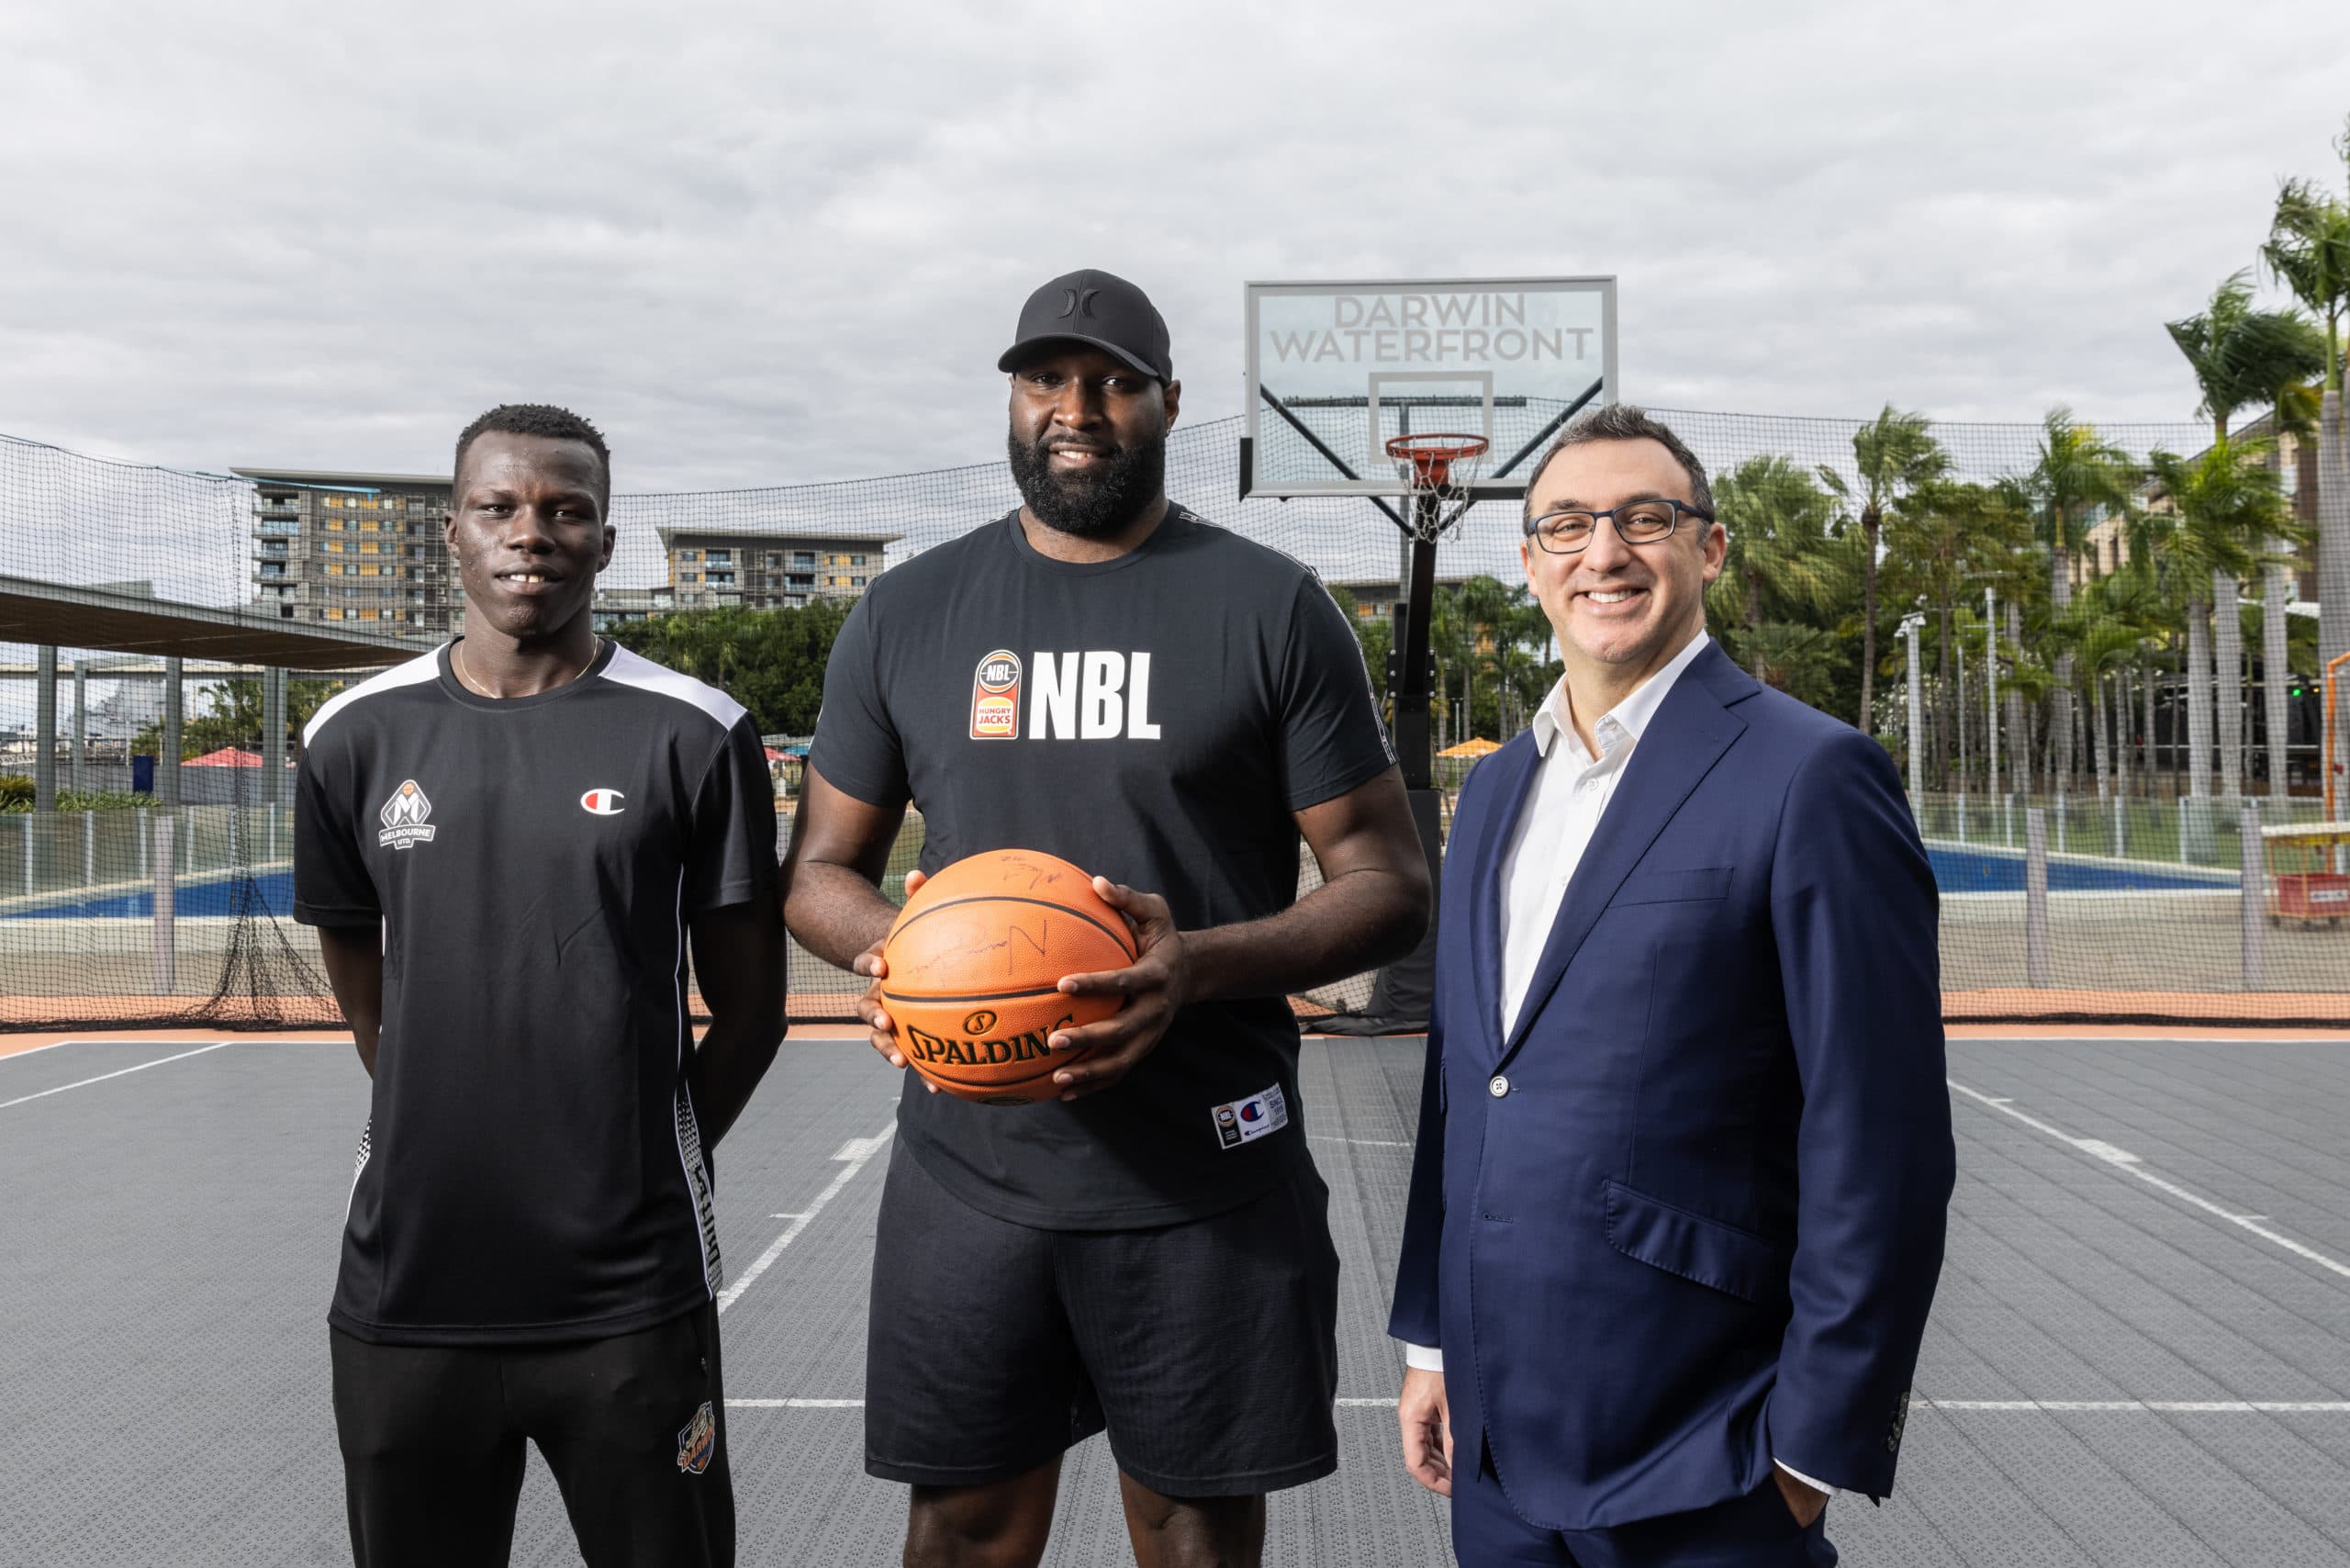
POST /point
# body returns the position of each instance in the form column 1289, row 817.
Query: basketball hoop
column 1437, row 470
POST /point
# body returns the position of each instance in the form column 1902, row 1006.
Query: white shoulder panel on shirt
column 416, row 672
column 629, row 669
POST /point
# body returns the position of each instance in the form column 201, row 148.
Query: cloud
column 764, row 247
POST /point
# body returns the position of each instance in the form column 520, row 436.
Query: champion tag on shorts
column 1245, row 1121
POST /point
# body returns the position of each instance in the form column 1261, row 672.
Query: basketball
column 973, row 959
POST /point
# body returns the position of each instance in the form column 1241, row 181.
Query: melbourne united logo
column 602, row 802
column 403, row 816
column 995, row 697
column 697, row 1440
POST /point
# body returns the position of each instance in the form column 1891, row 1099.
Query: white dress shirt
column 1571, row 791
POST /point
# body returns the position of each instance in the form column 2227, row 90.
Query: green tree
column 234, row 716
column 2241, row 357
column 2309, row 251
column 2077, row 474
column 1894, row 453
column 771, row 661
column 1940, row 538
column 1783, row 564
column 2224, row 508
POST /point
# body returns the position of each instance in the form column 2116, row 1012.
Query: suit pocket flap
column 1674, row 887
column 1694, row 1245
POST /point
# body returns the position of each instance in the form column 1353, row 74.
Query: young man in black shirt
column 1103, row 677
column 509, row 846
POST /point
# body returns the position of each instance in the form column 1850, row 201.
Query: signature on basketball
column 983, row 945
column 1038, row 875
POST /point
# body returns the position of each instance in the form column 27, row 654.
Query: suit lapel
column 1516, row 768
column 1680, row 746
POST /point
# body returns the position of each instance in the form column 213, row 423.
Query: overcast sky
column 763, row 243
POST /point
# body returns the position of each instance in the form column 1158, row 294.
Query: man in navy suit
column 1677, row 1208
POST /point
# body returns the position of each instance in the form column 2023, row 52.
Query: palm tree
column 2077, row 474
column 1781, row 557
column 2106, row 630
column 2309, row 251
column 2239, row 356
column 1937, row 537
column 1894, row 453
column 2223, row 510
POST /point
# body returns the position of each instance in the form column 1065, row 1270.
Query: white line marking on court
column 1998, row 1407
column 36, row 1050
column 160, row 1061
column 2132, row 1039
column 1365, row 1142
column 854, row 1154
column 2122, row 1159
column 2153, row 1406
column 800, row 1216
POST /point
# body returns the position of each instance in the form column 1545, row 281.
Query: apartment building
column 713, row 568
column 354, row 547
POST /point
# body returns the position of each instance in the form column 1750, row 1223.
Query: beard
column 1089, row 504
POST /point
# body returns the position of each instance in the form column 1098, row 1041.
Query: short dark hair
column 1626, row 422
column 539, row 420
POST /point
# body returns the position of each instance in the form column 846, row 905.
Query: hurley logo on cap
column 1097, row 309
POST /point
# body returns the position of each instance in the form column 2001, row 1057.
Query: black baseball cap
column 1097, row 309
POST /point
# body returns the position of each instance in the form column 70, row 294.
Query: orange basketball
column 973, row 959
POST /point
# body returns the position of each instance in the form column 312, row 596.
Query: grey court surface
column 2140, row 1355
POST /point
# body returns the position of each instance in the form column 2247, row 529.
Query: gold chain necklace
column 465, row 677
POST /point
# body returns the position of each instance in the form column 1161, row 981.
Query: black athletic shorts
column 1208, row 1349
column 634, row 1427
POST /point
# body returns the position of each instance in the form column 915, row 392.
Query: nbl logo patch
column 403, row 818
column 995, row 697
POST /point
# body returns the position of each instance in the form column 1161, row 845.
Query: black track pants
column 633, row 1426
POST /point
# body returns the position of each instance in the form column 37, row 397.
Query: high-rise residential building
column 354, row 547
column 712, row 568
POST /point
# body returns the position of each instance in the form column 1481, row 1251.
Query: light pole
column 1910, row 623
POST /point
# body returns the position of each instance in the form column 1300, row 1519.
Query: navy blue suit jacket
column 1699, row 1226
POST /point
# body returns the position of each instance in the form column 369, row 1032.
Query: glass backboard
column 1337, row 369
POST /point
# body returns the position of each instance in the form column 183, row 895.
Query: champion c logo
column 604, row 803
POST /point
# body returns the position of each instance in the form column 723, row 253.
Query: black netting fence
column 2107, row 744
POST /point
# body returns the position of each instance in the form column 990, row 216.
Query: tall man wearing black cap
column 1150, row 1254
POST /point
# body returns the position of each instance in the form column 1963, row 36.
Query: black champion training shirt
column 532, row 1168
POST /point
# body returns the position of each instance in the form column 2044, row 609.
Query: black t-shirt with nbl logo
column 532, row 1168
column 1155, row 719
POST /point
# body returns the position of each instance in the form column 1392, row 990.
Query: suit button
column 1498, row 1087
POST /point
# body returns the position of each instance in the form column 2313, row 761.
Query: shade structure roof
column 108, row 619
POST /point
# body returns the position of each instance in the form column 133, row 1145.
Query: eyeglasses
column 1637, row 522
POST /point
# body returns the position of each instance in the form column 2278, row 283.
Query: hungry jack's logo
column 403, row 817
column 995, row 697
column 698, row 1441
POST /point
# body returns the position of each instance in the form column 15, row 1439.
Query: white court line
column 101, row 1077
column 2003, row 1406
column 2128, row 1039
column 2123, row 1160
column 853, row 1156
column 2153, row 1406
column 36, row 1050
column 1365, row 1142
